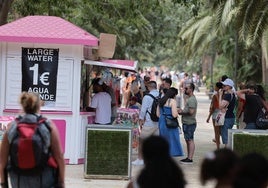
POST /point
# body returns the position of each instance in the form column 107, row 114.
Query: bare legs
column 217, row 131
column 190, row 148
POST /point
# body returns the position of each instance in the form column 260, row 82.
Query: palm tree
column 253, row 28
column 246, row 19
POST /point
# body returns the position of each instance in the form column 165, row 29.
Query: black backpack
column 152, row 114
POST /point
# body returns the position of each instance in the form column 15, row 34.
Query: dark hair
column 95, row 81
column 260, row 91
column 146, row 78
column 218, row 164
column 170, row 93
column 224, row 77
column 168, row 80
column 252, row 171
column 160, row 169
column 152, row 84
column 192, row 86
column 251, row 85
column 126, row 74
column 219, row 85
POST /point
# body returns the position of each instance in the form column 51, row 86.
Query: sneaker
column 187, row 161
column 137, row 162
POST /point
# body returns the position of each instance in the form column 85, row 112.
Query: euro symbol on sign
column 44, row 78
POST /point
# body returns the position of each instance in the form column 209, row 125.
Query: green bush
column 107, row 152
column 246, row 143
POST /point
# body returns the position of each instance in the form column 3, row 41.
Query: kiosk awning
column 46, row 29
column 129, row 65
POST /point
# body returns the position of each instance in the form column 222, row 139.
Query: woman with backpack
column 30, row 149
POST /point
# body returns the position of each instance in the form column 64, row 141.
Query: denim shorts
column 188, row 131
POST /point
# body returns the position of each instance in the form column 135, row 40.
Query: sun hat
column 228, row 82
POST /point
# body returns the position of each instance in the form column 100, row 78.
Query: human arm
column 242, row 93
column 4, row 152
column 240, row 107
column 190, row 107
column 158, row 111
column 57, row 153
column 189, row 112
column 174, row 110
column 223, row 102
column 212, row 106
column 145, row 107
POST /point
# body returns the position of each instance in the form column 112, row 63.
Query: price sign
column 39, row 72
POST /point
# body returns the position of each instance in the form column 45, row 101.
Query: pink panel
column 61, row 125
column 90, row 119
column 81, row 161
column 121, row 62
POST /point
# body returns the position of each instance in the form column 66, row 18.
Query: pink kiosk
column 50, row 55
column 43, row 54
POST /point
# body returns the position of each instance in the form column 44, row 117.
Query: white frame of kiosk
column 66, row 112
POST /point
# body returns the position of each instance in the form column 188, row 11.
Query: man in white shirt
column 101, row 104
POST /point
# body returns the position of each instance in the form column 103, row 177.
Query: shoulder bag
column 262, row 118
column 171, row 122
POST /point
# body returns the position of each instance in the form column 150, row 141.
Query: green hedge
column 107, row 152
column 245, row 143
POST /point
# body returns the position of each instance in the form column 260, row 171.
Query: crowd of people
column 158, row 143
column 223, row 166
column 241, row 107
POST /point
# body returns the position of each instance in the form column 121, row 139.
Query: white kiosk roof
column 114, row 63
column 45, row 29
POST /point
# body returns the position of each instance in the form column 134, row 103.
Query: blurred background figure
column 133, row 104
column 252, row 172
column 160, row 170
column 219, row 165
column 240, row 109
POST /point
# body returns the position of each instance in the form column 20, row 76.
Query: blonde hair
column 30, row 102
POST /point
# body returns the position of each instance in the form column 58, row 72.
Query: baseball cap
column 228, row 82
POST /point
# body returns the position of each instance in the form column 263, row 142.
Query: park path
column 203, row 140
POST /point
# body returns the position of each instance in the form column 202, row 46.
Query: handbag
column 220, row 118
column 172, row 122
column 262, row 119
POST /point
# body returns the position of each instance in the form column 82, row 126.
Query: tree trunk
column 264, row 46
column 4, row 9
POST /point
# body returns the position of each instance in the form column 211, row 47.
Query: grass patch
column 107, row 152
column 246, row 143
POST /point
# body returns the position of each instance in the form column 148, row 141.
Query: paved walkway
column 203, row 140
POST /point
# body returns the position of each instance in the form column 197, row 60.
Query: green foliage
column 146, row 30
column 216, row 29
column 246, row 143
column 40, row 7
column 107, row 152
